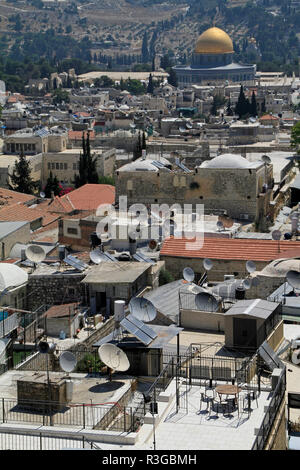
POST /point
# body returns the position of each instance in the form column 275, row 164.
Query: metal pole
column 154, row 441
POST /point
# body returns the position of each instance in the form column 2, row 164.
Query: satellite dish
column 182, row 129
column 2, row 346
column 220, row 225
column 267, row 160
column 206, row 302
column 208, row 264
column 11, row 276
column 250, row 266
column 293, row 278
column 67, row 361
column 142, row 309
column 45, row 348
column 152, row 245
column 276, row 235
column 255, row 281
column 246, row 284
column 42, row 194
column 188, row 274
column 35, row 253
column 95, row 257
column 113, row 357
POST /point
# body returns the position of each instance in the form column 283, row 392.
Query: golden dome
column 214, row 41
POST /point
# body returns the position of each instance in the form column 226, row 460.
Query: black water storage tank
column 240, row 293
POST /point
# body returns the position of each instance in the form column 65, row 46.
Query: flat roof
column 116, row 272
column 253, row 308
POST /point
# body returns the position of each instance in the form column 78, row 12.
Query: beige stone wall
column 278, row 438
column 22, row 235
column 233, row 190
column 195, row 319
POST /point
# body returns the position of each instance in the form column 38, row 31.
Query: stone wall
column 53, row 289
column 233, row 190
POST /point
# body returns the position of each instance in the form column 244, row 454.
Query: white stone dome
column 227, row 160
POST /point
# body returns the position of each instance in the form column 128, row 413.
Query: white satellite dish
column 95, row 257
column 246, row 284
column 142, row 309
column 11, row 276
column 67, row 361
column 293, row 278
column 113, row 357
column 267, row 160
column 42, row 194
column 188, row 274
column 250, row 266
column 206, row 302
column 207, row 264
column 35, row 253
column 255, row 281
column 2, row 346
column 276, row 235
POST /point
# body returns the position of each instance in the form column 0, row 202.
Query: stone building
column 227, row 183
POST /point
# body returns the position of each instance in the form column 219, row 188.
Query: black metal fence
column 83, row 415
column 40, row 441
column 271, row 413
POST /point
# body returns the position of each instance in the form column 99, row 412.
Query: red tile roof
column 77, row 135
column 63, row 310
column 20, row 212
column 8, row 197
column 230, row 249
column 268, row 117
column 87, row 197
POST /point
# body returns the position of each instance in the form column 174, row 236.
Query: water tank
column 240, row 293
column 69, row 390
column 62, row 335
column 95, row 240
column 119, row 310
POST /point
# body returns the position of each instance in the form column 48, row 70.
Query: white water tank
column 119, row 310
column 69, row 390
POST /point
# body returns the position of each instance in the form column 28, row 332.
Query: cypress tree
column 253, row 106
column 20, row 179
column 243, row 106
column 172, row 78
column 150, row 87
column 145, row 51
column 87, row 165
column 52, row 185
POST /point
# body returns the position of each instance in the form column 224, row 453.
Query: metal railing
column 40, row 441
column 271, row 413
column 83, row 415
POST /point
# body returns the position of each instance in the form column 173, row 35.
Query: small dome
column 280, row 268
column 227, row 160
column 214, row 41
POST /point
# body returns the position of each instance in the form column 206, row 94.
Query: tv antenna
column 142, row 309
column 114, row 358
column 276, row 235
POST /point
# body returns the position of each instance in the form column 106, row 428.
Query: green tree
column 87, row 165
column 295, row 138
column 145, row 50
column 253, row 106
column 20, row 179
column 165, row 277
column 150, row 87
column 104, row 81
column 52, row 186
column 243, row 106
column 172, row 78
column 59, row 96
column 137, row 151
column 106, row 180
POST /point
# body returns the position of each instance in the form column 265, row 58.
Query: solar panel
column 42, row 132
column 182, row 166
column 141, row 258
column 110, row 257
column 270, row 357
column 145, row 339
column 139, row 324
column 107, row 257
column 75, row 263
column 159, row 165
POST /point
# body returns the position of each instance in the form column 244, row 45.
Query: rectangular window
column 72, row 231
column 57, row 166
column 53, row 166
column 61, row 166
column 49, row 166
column 65, row 166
